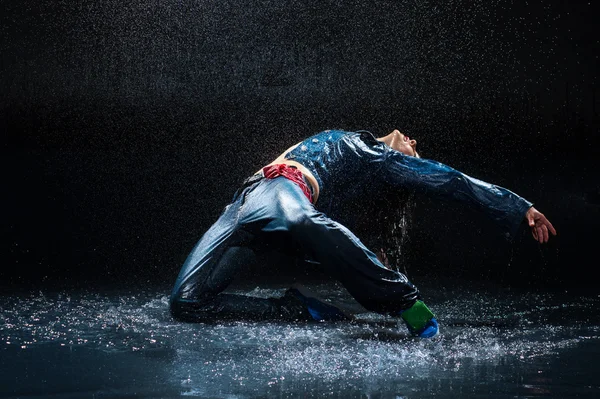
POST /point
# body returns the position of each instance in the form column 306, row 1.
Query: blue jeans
column 276, row 210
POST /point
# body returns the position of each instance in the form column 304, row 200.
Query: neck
column 390, row 140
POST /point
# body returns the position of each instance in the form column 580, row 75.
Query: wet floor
column 494, row 343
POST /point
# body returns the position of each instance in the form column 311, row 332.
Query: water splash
column 483, row 335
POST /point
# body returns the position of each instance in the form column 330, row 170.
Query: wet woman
column 287, row 204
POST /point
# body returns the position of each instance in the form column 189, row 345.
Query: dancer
column 285, row 205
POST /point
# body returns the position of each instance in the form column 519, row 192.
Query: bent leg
column 376, row 287
column 346, row 258
column 210, row 304
column 222, row 252
column 343, row 255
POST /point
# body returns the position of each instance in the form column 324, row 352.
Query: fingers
column 540, row 233
column 382, row 256
column 544, row 234
column 550, row 227
column 547, row 228
column 541, row 228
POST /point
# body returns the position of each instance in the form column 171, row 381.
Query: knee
column 184, row 308
column 190, row 311
column 175, row 309
column 176, row 306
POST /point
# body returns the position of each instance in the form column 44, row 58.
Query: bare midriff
column 307, row 174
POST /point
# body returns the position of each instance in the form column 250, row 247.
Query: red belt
column 289, row 172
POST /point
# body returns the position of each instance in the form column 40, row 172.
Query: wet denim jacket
column 347, row 164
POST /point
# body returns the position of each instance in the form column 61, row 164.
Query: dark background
column 127, row 126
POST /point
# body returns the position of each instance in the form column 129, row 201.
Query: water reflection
column 128, row 342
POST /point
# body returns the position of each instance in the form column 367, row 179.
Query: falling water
column 399, row 233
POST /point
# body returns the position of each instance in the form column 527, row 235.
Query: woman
column 286, row 204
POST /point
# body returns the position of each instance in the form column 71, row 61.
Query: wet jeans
column 276, row 210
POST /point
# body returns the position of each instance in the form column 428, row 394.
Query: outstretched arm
column 541, row 228
column 504, row 206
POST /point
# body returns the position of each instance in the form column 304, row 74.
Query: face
column 404, row 144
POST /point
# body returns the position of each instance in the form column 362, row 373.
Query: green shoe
column 420, row 321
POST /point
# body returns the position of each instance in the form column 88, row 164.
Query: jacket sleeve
column 506, row 208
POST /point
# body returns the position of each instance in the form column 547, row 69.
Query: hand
column 540, row 226
column 382, row 256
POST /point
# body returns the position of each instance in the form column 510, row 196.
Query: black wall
column 128, row 125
